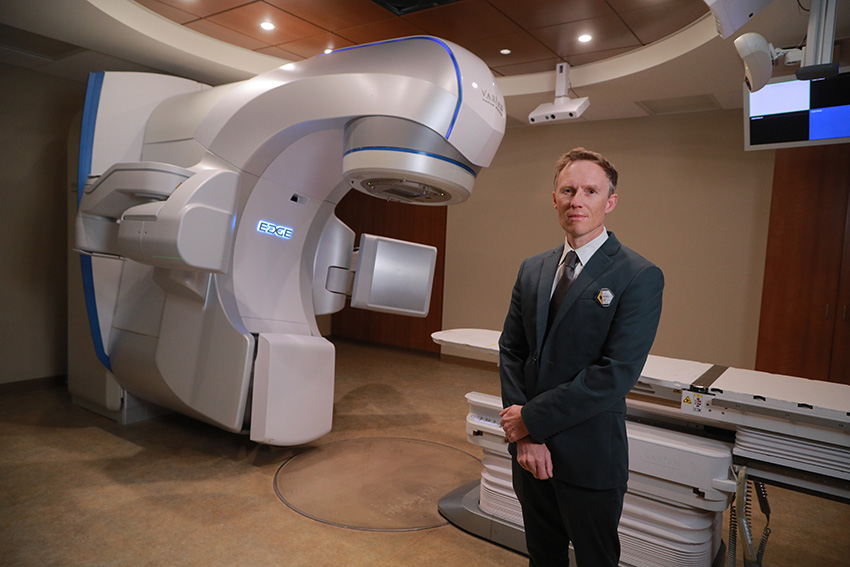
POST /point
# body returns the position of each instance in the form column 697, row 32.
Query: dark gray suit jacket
column 573, row 384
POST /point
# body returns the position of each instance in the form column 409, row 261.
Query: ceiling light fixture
column 268, row 26
column 584, row 38
column 328, row 50
column 505, row 51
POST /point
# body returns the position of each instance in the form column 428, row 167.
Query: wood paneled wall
column 420, row 224
column 805, row 319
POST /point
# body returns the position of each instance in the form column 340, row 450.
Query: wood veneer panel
column 804, row 252
column 839, row 370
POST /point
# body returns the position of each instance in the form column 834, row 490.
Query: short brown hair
column 582, row 154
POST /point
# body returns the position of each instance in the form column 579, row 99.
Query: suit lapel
column 544, row 289
column 599, row 263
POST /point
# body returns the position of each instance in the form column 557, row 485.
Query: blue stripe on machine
column 93, row 90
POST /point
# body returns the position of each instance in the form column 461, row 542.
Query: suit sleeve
column 602, row 385
column 514, row 349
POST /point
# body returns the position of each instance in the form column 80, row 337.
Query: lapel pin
column 605, row 297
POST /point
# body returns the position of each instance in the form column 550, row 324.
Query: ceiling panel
column 542, row 13
column 535, row 31
column 379, row 31
column 522, row 46
column 334, row 15
column 483, row 26
column 316, row 44
column 227, row 35
column 657, row 22
column 608, row 32
column 204, row 8
column 168, row 11
column 246, row 20
column 276, row 51
column 623, row 5
column 463, row 21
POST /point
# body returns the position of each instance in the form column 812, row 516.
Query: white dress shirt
column 584, row 254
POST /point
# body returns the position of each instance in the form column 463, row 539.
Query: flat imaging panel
column 393, row 276
column 790, row 113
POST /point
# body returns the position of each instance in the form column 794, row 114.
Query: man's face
column 582, row 201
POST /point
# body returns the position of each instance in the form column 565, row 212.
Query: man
column 565, row 375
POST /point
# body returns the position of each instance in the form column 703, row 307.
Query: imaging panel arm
column 106, row 197
column 192, row 229
column 160, row 215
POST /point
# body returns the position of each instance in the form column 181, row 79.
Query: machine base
column 460, row 507
column 133, row 409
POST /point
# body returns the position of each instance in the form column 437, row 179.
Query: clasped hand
column 533, row 457
column 513, row 424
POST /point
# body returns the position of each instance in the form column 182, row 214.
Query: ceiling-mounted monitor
column 789, row 113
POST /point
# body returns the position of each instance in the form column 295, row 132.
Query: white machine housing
column 730, row 15
column 207, row 227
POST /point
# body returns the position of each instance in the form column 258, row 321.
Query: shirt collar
column 585, row 252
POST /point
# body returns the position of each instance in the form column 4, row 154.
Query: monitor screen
column 787, row 113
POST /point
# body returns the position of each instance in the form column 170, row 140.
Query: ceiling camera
column 562, row 109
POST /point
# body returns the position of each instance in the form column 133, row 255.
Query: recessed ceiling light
column 505, row 52
column 268, row 26
column 584, row 38
column 328, row 50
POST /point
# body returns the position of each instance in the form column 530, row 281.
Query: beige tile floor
column 79, row 490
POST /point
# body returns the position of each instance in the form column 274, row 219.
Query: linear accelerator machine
column 207, row 230
column 697, row 432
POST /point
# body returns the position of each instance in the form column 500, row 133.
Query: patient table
column 697, row 433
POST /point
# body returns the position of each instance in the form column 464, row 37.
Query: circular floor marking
column 379, row 484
